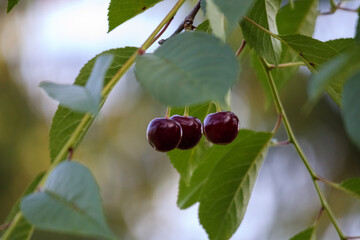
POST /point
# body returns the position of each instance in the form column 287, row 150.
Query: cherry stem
column 241, row 48
column 71, row 152
column 186, row 111
column 168, row 112
column 187, row 23
column 358, row 237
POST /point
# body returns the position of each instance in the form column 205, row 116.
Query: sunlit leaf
column 69, row 202
column 314, row 52
column 263, row 13
column 190, row 68
column 120, row 11
column 226, row 193
column 78, row 98
column 299, row 19
column 351, row 107
column 224, row 15
column 66, row 122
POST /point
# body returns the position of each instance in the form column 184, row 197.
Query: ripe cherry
column 221, row 127
column 164, row 134
column 192, row 131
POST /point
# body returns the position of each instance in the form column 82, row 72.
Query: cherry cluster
column 183, row 132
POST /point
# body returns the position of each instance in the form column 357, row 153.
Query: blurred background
column 52, row 39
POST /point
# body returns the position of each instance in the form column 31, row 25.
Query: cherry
column 192, row 131
column 221, row 127
column 164, row 134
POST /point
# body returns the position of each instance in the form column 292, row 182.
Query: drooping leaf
column 351, row 106
column 22, row 229
column 226, row 193
column 190, row 68
column 263, row 13
column 11, row 4
column 224, row 15
column 120, row 11
column 341, row 44
column 78, row 98
column 307, row 234
column 332, row 76
column 313, row 52
column 299, row 19
column 352, row 186
column 186, row 161
column 66, row 123
column 69, row 202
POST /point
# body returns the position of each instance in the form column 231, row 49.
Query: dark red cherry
column 221, row 127
column 164, row 134
column 192, row 131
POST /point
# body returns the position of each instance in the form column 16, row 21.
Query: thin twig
column 358, row 237
column 187, row 23
column 319, row 215
column 278, row 123
column 5, row 226
column 241, row 48
column 285, row 65
column 162, row 31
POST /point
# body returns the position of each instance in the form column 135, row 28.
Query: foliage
column 195, row 68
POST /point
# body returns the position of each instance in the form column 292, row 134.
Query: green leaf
column 313, row 52
column 78, row 98
column 299, row 19
column 341, row 44
column 204, row 27
column 120, row 11
column 226, row 193
column 352, row 186
column 263, row 13
column 11, row 4
column 69, row 202
column 357, row 35
column 351, row 106
column 332, row 76
column 224, row 15
column 66, row 123
column 22, row 229
column 307, row 234
column 186, row 161
column 190, row 68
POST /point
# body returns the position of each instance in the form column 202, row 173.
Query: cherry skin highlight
column 221, row 127
column 164, row 134
column 192, row 131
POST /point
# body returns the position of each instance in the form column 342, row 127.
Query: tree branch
column 187, row 23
